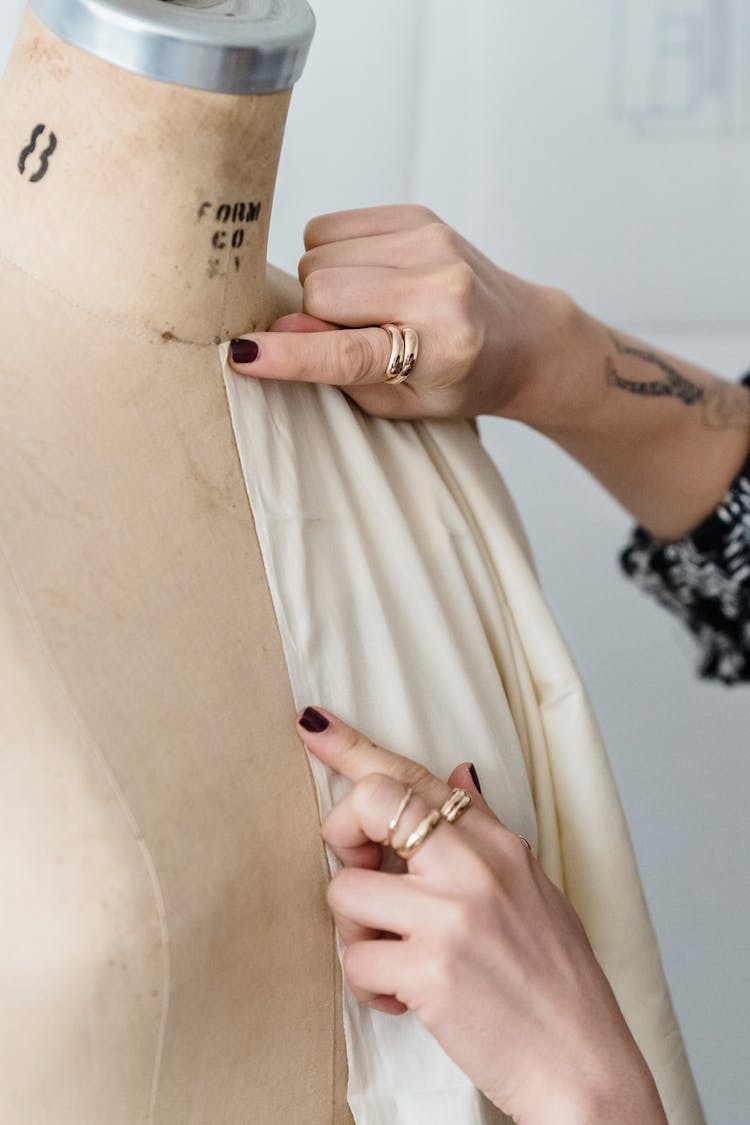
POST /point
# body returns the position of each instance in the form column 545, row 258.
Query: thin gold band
column 451, row 809
column 416, row 838
column 393, row 822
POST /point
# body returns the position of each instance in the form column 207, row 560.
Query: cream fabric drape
column 407, row 602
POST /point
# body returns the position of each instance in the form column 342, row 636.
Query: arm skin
column 663, row 436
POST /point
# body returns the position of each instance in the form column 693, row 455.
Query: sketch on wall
column 682, row 66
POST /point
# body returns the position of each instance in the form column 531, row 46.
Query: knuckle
column 352, row 741
column 414, row 774
column 356, row 355
column 376, row 788
column 512, row 846
column 316, row 292
column 441, row 237
column 441, row 971
column 460, row 282
column 458, row 922
column 351, row 962
column 482, row 880
column 341, row 886
column 423, row 214
column 464, row 337
column 462, row 349
column 312, row 232
column 307, row 265
column 479, row 879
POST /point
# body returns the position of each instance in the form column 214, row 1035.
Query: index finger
column 355, row 756
column 361, row 222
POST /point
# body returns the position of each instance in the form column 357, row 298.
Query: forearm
column 664, row 436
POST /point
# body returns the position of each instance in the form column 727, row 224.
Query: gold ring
column 398, row 348
column 393, row 822
column 455, row 806
column 404, row 353
column 411, row 352
column 416, row 838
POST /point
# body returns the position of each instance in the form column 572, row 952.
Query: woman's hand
column 488, row 341
column 477, row 942
column 639, row 420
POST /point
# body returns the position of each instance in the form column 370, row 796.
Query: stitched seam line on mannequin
column 137, row 328
column 130, row 820
column 224, row 291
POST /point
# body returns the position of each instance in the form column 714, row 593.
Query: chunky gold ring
column 416, row 838
column 398, row 349
column 394, row 821
column 404, row 353
column 455, row 806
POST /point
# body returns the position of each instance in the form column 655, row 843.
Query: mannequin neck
column 153, row 212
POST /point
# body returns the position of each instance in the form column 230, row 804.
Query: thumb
column 465, row 777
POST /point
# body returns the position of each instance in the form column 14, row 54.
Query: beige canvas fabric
column 167, row 955
column 407, row 602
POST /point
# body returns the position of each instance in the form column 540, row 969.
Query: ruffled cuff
column 704, row 578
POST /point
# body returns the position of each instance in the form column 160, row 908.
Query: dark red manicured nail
column 475, row 778
column 244, row 351
column 313, row 721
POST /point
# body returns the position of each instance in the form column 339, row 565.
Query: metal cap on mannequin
column 226, row 46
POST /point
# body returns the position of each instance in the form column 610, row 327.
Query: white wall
column 601, row 145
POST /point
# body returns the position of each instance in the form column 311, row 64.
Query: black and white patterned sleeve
column 705, row 579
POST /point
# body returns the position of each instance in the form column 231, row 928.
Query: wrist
column 635, row 1103
column 621, row 1093
column 556, row 364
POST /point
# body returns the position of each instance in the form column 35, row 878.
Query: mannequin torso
column 169, row 952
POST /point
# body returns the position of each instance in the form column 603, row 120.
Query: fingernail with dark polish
column 475, row 778
column 244, row 351
column 313, row 721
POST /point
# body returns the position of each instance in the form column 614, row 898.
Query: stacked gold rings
column 454, row 807
column 404, row 352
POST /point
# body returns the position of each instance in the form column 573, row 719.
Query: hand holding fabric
column 475, row 940
column 484, row 334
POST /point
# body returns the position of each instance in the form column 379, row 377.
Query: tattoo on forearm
column 672, row 384
column 724, row 405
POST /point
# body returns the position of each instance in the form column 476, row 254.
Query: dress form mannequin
column 166, row 951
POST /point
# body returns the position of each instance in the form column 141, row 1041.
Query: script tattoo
column 44, row 157
column 724, row 405
column 671, row 383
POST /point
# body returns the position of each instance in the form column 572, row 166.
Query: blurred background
column 602, row 146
